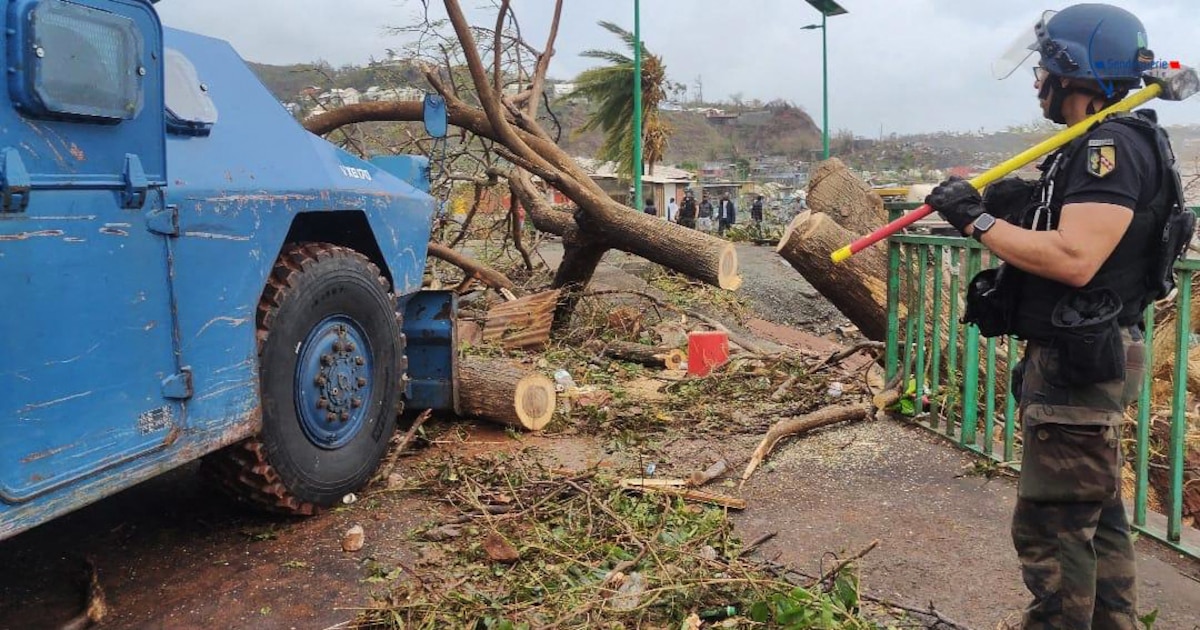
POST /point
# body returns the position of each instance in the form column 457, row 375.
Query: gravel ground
column 770, row 287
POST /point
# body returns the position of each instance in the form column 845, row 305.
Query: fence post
column 1183, row 334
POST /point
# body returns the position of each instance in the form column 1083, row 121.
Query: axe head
column 1177, row 83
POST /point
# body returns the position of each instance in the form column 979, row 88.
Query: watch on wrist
column 982, row 224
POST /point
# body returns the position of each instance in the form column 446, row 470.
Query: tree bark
column 835, row 191
column 650, row 356
column 498, row 391
column 698, row 255
column 857, row 287
column 473, row 268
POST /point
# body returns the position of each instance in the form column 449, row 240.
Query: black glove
column 957, row 201
column 1007, row 198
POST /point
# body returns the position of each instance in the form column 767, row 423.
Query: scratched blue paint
column 99, row 311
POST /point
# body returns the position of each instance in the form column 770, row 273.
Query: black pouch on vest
column 990, row 302
column 1088, row 337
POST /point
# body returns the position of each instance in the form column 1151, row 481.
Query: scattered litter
column 353, row 539
column 650, row 468
column 563, row 380
column 349, row 498
column 630, row 594
column 835, row 389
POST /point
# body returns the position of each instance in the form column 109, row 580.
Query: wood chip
column 353, row 539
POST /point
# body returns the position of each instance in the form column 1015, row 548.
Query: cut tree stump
column 523, row 323
column 836, row 191
column 650, row 356
column 857, row 286
column 499, row 391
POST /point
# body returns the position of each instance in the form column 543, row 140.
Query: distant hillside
column 777, row 129
column 286, row 82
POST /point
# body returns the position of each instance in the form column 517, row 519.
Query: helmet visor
column 1021, row 49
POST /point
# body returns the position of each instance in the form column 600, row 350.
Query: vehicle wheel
column 329, row 378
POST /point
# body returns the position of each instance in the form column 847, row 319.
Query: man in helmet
column 1078, row 247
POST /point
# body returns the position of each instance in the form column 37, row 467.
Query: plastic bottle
column 563, row 380
column 719, row 613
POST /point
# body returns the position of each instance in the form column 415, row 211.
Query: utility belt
column 1084, row 326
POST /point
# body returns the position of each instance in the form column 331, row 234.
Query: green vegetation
column 610, row 89
column 575, row 550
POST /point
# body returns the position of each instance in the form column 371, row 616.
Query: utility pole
column 637, row 106
column 827, row 8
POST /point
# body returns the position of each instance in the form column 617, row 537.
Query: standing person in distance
column 726, row 214
column 672, row 210
column 706, row 213
column 687, row 212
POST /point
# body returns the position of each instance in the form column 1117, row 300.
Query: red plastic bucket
column 706, row 350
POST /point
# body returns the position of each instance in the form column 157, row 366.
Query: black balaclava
column 1058, row 97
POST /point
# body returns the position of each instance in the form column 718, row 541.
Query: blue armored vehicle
column 186, row 273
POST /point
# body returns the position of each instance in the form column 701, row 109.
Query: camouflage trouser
column 1069, row 526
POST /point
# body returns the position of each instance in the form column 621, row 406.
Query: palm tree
column 610, row 89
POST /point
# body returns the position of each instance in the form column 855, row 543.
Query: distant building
column 376, row 93
column 665, row 183
column 562, row 89
column 340, row 96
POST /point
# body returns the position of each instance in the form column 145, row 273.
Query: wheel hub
column 333, row 382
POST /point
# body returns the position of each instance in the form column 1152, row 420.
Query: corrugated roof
column 662, row 174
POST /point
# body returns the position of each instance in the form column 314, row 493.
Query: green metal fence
column 959, row 384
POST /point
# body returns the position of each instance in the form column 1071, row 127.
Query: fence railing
column 960, row 383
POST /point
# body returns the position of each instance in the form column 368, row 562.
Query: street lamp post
column 636, row 202
column 827, row 8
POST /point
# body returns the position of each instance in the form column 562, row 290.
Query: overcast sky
column 894, row 65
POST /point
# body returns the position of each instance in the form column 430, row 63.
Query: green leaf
column 760, row 612
column 1149, row 618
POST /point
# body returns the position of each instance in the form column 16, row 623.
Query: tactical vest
column 1135, row 270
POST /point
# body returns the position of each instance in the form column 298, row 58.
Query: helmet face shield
column 1021, row 49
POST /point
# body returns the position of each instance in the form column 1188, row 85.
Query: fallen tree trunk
column 524, row 323
column 857, row 286
column 608, row 224
column 471, row 267
column 650, row 356
column 498, row 391
column 835, row 191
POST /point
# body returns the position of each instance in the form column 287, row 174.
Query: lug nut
column 359, row 360
column 350, row 347
column 345, row 416
column 356, row 403
column 322, row 403
column 362, row 382
column 337, row 346
column 326, row 359
column 320, row 381
column 330, row 416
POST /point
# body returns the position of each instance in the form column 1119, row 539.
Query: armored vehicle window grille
column 84, row 62
column 189, row 108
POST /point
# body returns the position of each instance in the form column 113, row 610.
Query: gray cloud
column 897, row 65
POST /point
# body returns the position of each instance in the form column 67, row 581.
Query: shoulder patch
column 1101, row 158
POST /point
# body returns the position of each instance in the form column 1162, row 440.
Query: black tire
column 329, row 378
